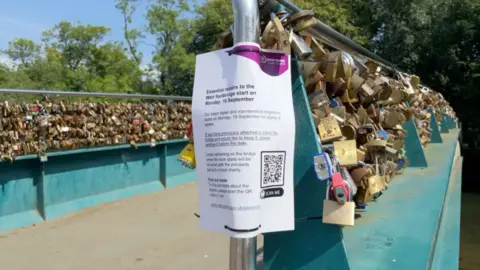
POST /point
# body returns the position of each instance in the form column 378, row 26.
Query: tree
column 74, row 42
column 132, row 36
column 23, row 50
column 213, row 18
column 172, row 33
column 112, row 70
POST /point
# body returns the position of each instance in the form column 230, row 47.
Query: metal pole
column 336, row 40
column 90, row 94
column 243, row 251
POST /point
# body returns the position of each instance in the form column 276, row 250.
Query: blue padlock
column 400, row 164
column 334, row 103
column 382, row 134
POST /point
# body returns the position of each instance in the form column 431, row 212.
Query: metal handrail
column 91, row 94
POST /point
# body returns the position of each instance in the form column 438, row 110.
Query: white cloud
column 7, row 61
column 150, row 73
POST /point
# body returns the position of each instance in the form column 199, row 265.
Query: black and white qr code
column 273, row 168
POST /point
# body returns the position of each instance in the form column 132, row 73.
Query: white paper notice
column 244, row 132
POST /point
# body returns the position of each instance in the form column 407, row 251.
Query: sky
column 28, row 18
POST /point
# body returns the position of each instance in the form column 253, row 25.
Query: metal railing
column 91, row 94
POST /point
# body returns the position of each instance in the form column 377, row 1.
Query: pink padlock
column 339, row 188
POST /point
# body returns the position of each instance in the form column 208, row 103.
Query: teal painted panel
column 413, row 146
column 451, row 123
column 436, row 136
column 18, row 194
column 177, row 174
column 72, row 180
column 313, row 245
column 447, row 249
column 69, row 178
column 181, row 179
column 23, row 219
column 18, row 187
column 58, row 210
column 444, row 126
column 398, row 231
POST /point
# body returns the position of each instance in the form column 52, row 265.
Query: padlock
column 331, row 67
column 318, row 99
column 340, row 211
column 366, row 94
column 187, row 156
column 301, row 20
column 346, row 152
column 275, row 36
column 299, row 46
column 329, row 129
column 318, row 51
column 309, row 71
column 323, row 166
column 349, row 132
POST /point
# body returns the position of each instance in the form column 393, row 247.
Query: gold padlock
column 415, row 81
column 346, row 152
column 332, row 66
column 372, row 66
column 329, row 130
column 360, row 155
column 309, row 72
column 375, row 184
column 356, row 82
column 319, row 52
column 366, row 93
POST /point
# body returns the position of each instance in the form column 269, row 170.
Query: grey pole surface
column 243, row 251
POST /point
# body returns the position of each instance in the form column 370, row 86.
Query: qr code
column 273, row 168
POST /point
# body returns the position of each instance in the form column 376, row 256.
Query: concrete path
column 155, row 231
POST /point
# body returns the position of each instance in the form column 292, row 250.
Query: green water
column 470, row 232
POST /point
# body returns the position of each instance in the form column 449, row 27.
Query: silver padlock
column 299, row 46
column 323, row 166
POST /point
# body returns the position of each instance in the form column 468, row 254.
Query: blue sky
column 28, row 18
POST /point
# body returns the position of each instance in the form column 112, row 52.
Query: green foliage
column 336, row 14
column 214, row 17
column 75, row 43
column 173, row 35
column 74, row 58
column 435, row 39
column 23, row 50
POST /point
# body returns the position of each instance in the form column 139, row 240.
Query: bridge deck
column 154, row 231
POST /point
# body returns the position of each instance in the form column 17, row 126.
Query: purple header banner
column 272, row 63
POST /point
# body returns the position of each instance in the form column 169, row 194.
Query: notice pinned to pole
column 244, row 128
